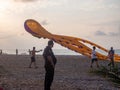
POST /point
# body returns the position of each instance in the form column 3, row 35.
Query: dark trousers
column 111, row 63
column 48, row 77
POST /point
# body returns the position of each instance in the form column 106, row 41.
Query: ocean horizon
column 56, row 52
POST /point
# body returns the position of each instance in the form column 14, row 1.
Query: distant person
column 16, row 51
column 50, row 61
column 0, row 51
column 33, row 59
column 29, row 52
column 94, row 57
column 111, row 57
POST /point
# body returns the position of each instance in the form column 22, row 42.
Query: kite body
column 72, row 43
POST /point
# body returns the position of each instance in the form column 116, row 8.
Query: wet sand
column 71, row 73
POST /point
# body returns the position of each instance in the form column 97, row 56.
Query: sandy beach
column 71, row 73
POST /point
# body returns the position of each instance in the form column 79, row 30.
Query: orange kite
column 72, row 43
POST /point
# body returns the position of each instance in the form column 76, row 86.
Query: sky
column 95, row 20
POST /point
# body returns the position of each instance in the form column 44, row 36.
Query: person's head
column 111, row 48
column 33, row 48
column 94, row 47
column 50, row 43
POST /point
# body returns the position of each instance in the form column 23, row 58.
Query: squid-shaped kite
column 72, row 43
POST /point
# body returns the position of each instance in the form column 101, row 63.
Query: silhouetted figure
column 111, row 57
column 33, row 59
column 16, row 51
column 50, row 61
column 94, row 57
column 0, row 52
column 29, row 52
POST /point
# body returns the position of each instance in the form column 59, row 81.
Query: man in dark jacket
column 111, row 57
column 50, row 61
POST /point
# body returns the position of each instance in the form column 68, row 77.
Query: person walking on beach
column 0, row 51
column 50, row 61
column 33, row 60
column 94, row 57
column 111, row 57
column 16, row 51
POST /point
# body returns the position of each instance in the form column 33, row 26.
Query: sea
column 56, row 52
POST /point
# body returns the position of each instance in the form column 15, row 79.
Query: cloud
column 44, row 22
column 111, row 34
column 25, row 0
column 108, row 23
column 100, row 33
column 6, row 36
column 98, row 5
column 114, row 34
column 109, row 28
